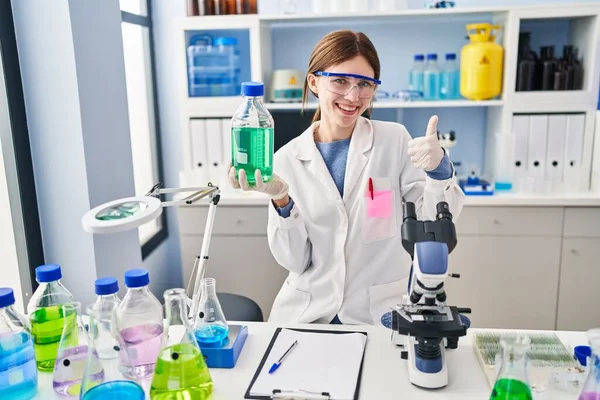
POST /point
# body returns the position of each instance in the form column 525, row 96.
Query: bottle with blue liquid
column 431, row 89
column 211, row 328
column 416, row 75
column 450, row 82
column 18, row 371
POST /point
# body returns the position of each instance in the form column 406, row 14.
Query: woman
column 336, row 210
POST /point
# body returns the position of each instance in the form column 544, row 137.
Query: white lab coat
column 341, row 260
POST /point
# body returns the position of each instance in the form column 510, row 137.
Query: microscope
column 428, row 324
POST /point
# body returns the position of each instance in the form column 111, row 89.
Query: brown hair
column 335, row 48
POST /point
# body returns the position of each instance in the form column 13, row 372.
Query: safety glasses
column 342, row 84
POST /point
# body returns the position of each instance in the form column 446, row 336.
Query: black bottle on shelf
column 577, row 71
column 549, row 65
column 526, row 62
column 561, row 76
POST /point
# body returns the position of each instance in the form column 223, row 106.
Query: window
column 143, row 122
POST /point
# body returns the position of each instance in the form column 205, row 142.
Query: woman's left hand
column 426, row 152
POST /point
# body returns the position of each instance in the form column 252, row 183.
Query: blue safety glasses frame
column 341, row 87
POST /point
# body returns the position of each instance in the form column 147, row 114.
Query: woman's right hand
column 276, row 188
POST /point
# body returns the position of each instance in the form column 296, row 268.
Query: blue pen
column 278, row 363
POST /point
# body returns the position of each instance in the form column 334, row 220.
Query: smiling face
column 338, row 109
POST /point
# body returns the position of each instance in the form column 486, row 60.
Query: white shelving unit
column 584, row 32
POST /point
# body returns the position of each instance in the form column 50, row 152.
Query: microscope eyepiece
column 409, row 211
column 443, row 211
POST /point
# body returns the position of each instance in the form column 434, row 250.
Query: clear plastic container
column 227, row 83
column 213, row 66
column 431, row 86
column 417, row 74
column 18, row 374
column 450, row 79
column 46, row 314
column 107, row 301
column 139, row 326
column 211, row 328
column 252, row 134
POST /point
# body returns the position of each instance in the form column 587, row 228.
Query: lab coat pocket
column 384, row 298
column 379, row 211
column 289, row 305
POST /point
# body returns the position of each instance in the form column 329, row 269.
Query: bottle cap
column 432, row 56
column 419, row 57
column 48, row 273
column 135, row 278
column 104, row 286
column 253, row 89
column 225, row 41
column 450, row 56
column 7, row 297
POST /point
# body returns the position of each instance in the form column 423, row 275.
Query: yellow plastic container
column 481, row 63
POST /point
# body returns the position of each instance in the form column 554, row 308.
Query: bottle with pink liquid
column 591, row 388
column 139, row 326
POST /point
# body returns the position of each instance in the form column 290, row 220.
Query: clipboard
column 298, row 393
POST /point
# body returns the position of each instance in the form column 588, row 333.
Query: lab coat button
column 296, row 215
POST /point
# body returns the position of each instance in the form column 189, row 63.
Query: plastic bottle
column 431, row 87
column 18, row 374
column 181, row 372
column 450, row 81
column 211, row 328
column 106, row 302
column 139, row 325
column 46, row 314
column 416, row 74
column 252, row 134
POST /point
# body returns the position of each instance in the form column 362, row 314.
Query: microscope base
column 428, row 374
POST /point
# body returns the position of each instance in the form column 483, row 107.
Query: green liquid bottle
column 252, row 135
column 181, row 372
column 512, row 382
column 46, row 315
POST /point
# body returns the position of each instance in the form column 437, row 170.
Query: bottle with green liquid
column 181, row 372
column 252, row 134
column 512, row 382
column 46, row 315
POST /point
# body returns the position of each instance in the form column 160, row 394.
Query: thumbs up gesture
column 425, row 152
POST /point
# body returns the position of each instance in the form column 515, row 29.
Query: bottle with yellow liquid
column 45, row 310
column 481, row 63
column 181, row 372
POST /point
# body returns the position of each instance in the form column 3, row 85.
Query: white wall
column 71, row 56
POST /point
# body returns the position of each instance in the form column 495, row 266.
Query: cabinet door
column 507, row 281
column 579, row 292
column 240, row 264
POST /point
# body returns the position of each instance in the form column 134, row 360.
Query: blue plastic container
column 213, row 66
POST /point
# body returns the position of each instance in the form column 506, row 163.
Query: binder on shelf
column 199, row 144
column 557, row 127
column 538, row 138
column 215, row 150
column 313, row 347
column 520, row 131
column 573, row 150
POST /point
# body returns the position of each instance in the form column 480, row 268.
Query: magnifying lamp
column 132, row 212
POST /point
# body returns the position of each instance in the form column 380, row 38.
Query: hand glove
column 426, row 152
column 276, row 188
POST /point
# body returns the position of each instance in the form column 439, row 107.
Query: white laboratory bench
column 384, row 373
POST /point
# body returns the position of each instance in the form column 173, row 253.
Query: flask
column 211, row 326
column 18, row 373
column 46, row 314
column 450, row 78
column 106, row 302
column 180, row 372
column 139, row 326
column 115, row 384
column 431, row 86
column 512, row 382
column 71, row 359
column 591, row 387
column 252, row 130
column 416, row 74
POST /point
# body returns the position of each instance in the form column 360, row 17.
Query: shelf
column 584, row 199
column 398, row 104
column 553, row 101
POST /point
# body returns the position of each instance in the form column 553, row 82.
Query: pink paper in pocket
column 381, row 204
